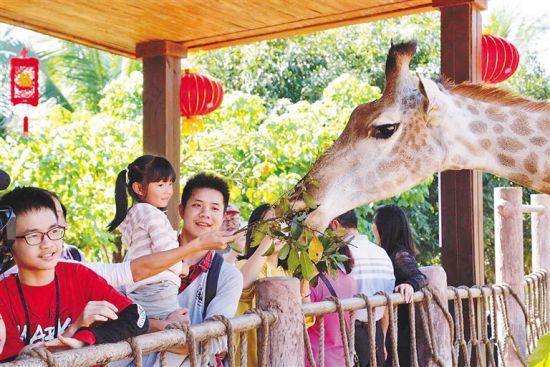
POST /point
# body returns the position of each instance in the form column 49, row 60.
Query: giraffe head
column 388, row 146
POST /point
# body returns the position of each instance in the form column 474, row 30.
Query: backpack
column 212, row 281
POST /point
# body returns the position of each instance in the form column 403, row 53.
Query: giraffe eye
column 384, row 131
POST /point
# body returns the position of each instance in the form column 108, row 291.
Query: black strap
column 212, row 281
column 75, row 253
column 25, row 309
column 327, row 283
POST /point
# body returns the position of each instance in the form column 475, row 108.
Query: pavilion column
column 461, row 192
column 161, row 107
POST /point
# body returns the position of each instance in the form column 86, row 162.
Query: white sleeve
column 230, row 286
column 116, row 275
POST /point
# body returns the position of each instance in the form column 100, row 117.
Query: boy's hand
column 180, row 315
column 64, row 343
column 96, row 311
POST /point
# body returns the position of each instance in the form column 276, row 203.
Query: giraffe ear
column 430, row 92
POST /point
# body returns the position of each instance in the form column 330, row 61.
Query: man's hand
column 64, row 343
column 406, row 290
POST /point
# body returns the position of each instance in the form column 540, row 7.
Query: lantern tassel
column 26, row 127
column 191, row 125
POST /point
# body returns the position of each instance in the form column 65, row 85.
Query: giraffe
column 419, row 127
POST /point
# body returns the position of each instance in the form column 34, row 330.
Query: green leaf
column 309, row 200
column 285, row 206
column 284, row 252
column 314, row 183
column 293, row 260
column 235, row 247
column 541, row 355
column 307, row 267
column 258, row 234
column 269, row 251
column 295, row 229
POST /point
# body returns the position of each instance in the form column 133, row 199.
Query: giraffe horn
column 397, row 65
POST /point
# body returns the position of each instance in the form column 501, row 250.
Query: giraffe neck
column 509, row 141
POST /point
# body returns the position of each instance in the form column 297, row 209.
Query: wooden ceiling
column 119, row 25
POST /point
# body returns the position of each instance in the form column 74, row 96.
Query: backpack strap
column 327, row 283
column 75, row 253
column 212, row 281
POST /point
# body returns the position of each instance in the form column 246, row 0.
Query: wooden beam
column 161, row 110
column 461, row 192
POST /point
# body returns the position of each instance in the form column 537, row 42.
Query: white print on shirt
column 142, row 316
column 43, row 334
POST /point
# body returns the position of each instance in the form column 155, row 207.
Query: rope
column 484, row 341
column 343, row 328
column 351, row 335
column 189, row 341
column 262, row 336
column 244, row 349
column 523, row 310
column 371, row 328
column 393, row 329
column 321, row 341
column 309, row 351
column 412, row 334
column 459, row 323
column 230, row 337
column 137, row 355
column 40, row 353
column 427, row 323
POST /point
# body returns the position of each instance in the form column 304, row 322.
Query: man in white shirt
column 373, row 272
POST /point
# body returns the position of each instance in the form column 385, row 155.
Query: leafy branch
column 306, row 252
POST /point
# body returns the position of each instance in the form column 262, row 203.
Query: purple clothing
column 345, row 287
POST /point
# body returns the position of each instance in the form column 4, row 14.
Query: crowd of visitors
column 51, row 297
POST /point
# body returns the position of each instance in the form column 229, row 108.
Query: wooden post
column 461, row 192
column 437, row 281
column 286, row 339
column 509, row 267
column 161, row 107
column 540, row 234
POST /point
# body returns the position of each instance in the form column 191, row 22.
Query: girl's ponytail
column 121, row 200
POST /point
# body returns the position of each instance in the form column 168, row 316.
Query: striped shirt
column 146, row 230
column 373, row 271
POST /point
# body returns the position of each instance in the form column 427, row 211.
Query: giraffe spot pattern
column 530, row 163
column 521, row 127
column 506, row 160
column 509, row 144
column 496, row 114
column 538, row 141
column 478, row 127
column 485, row 143
column 473, row 109
column 544, row 125
column 498, row 129
column 521, row 179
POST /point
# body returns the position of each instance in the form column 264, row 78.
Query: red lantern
column 499, row 59
column 199, row 95
column 24, row 83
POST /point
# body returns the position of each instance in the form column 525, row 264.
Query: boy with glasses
column 51, row 303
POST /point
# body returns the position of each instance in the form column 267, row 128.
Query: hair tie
column 127, row 174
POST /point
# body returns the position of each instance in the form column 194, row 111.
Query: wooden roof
column 119, row 25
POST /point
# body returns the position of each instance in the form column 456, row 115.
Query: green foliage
column 541, row 355
column 301, row 67
column 78, row 155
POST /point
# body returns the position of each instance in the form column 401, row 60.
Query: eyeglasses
column 36, row 238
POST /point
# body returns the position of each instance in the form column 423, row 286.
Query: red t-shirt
column 77, row 286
